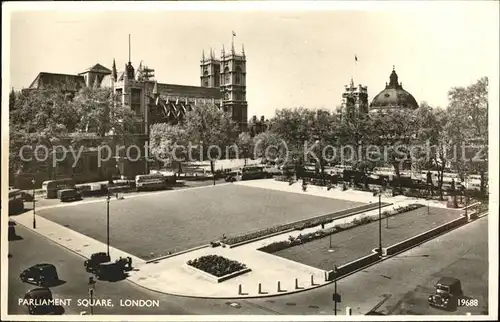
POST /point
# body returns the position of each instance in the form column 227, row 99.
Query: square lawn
column 354, row 243
column 151, row 225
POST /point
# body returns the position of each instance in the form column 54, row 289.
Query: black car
column 39, row 301
column 40, row 274
column 110, row 271
column 448, row 291
column 95, row 260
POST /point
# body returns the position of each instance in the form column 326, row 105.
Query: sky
column 295, row 57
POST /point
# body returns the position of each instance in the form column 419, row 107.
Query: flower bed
column 216, row 265
column 300, row 225
column 301, row 239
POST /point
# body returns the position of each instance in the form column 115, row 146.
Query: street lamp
column 107, row 222
column 34, row 218
column 91, row 294
column 379, row 193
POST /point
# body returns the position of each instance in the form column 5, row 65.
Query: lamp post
column 34, row 218
column 380, row 224
column 91, row 294
column 379, row 194
column 107, row 222
column 335, row 295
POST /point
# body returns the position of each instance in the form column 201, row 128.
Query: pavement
column 171, row 276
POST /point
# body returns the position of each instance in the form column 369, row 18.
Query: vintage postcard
column 249, row 161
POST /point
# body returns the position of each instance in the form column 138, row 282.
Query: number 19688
column 464, row 302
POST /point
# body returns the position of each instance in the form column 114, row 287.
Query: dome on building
column 393, row 96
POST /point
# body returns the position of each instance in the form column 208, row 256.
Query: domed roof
column 393, row 96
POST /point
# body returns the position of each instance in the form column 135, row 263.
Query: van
column 68, row 195
column 51, row 187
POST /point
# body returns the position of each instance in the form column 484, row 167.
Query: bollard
column 348, row 311
column 279, row 286
column 296, row 283
column 312, row 279
column 239, row 289
column 260, row 288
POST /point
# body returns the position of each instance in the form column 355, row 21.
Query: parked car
column 68, row 195
column 233, row 176
column 39, row 295
column 40, row 274
column 448, row 291
column 110, row 271
column 95, row 260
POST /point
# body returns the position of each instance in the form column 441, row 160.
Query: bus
column 253, row 172
column 150, row 182
column 16, row 202
column 51, row 187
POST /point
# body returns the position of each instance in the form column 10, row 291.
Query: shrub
column 216, row 265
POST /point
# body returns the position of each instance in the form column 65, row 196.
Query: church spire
column 114, row 71
column 203, row 55
column 243, row 50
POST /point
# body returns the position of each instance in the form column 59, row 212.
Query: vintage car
column 40, row 274
column 68, row 195
column 448, row 292
column 110, row 271
column 41, row 304
column 95, row 260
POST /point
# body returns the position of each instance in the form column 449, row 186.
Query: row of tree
column 49, row 116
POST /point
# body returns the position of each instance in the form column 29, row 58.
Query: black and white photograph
column 250, row 160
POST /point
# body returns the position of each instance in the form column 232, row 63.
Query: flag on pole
column 355, row 58
column 234, row 34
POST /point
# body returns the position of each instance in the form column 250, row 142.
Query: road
column 405, row 279
column 33, row 248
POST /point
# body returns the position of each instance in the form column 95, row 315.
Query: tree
column 296, row 128
column 164, row 140
column 394, row 132
column 12, row 99
column 468, row 110
column 39, row 118
column 355, row 131
column 212, row 129
column 270, row 146
column 433, row 132
column 245, row 145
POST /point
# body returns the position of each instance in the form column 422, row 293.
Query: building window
column 238, row 75
column 135, row 100
column 227, row 76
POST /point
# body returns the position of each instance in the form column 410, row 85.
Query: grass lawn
column 357, row 242
column 149, row 226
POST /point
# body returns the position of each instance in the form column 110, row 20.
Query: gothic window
column 238, row 75
column 226, row 76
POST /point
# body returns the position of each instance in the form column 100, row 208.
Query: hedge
column 301, row 239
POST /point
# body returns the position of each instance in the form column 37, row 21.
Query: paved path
column 351, row 195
